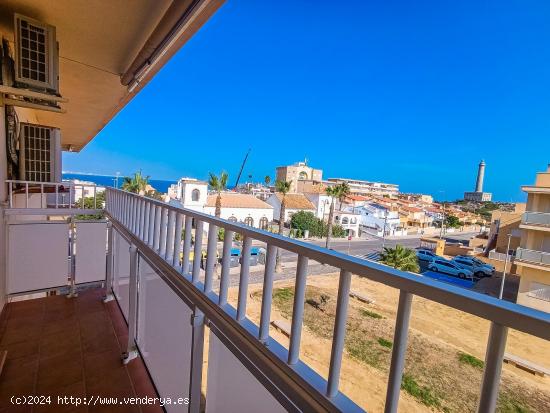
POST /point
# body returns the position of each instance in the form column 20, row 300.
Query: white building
column 245, row 208
column 349, row 221
column 293, row 203
column 375, row 216
column 360, row 187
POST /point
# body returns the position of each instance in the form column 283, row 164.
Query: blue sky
column 413, row 93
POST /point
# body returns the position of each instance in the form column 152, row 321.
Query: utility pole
column 442, row 222
column 505, row 264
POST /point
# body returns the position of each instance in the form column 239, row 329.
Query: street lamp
column 505, row 264
column 384, row 230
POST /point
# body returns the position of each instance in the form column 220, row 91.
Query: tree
column 136, row 184
column 267, row 180
column 88, row 203
column 305, row 221
column 218, row 184
column 452, row 222
column 400, row 258
column 339, row 192
column 283, row 188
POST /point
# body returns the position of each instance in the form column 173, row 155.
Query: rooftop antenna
column 242, row 167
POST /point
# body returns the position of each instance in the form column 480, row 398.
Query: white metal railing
column 153, row 229
column 533, row 256
column 35, row 195
column 500, row 256
column 536, row 218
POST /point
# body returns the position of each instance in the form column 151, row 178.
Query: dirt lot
column 444, row 361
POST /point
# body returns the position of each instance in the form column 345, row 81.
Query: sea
column 106, row 180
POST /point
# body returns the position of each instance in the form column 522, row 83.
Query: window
column 249, row 221
column 353, row 220
column 232, row 218
column 344, row 220
column 303, row 175
column 36, row 153
column 195, row 195
column 264, row 223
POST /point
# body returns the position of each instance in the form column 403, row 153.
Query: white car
column 478, row 267
column 425, row 255
column 448, row 267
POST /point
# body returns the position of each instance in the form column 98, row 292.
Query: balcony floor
column 70, row 347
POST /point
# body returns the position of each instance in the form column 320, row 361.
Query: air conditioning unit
column 36, row 54
column 39, row 153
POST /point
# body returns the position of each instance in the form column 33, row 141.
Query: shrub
column 221, row 234
column 473, row 361
column 422, row 393
column 385, row 343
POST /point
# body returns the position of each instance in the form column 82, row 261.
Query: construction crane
column 242, row 167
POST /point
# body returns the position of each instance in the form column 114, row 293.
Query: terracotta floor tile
column 66, row 343
column 103, row 363
column 20, row 349
column 58, row 371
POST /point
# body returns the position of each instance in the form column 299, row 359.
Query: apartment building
column 533, row 254
column 360, row 187
column 300, row 171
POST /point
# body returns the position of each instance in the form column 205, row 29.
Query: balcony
column 533, row 258
column 536, row 220
column 168, row 302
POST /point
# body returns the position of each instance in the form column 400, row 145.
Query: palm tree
column 339, row 192
column 136, row 184
column 267, row 180
column 218, row 184
column 401, row 258
column 283, row 188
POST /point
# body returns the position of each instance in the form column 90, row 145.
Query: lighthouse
column 478, row 195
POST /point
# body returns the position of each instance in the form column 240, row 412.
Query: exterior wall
column 242, row 213
column 528, row 277
column 299, row 171
column 186, row 194
column 274, row 202
column 478, row 196
column 358, row 187
column 321, row 202
column 349, row 221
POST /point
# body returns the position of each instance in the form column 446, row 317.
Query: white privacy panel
column 91, row 250
column 227, row 377
column 164, row 336
column 121, row 271
column 38, row 256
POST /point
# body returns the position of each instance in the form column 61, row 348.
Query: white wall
column 187, row 189
column 241, row 213
column 322, row 204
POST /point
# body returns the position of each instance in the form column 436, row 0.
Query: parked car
column 425, row 255
column 450, row 268
column 478, row 267
column 477, row 261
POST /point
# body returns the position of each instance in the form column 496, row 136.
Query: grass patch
column 424, row 394
column 385, row 343
column 507, row 404
column 370, row 314
column 473, row 361
column 364, row 350
column 283, row 294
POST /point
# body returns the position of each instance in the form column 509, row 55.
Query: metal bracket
column 129, row 356
column 197, row 320
column 108, row 297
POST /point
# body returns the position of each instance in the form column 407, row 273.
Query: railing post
column 187, row 245
column 131, row 352
column 493, row 368
column 339, row 335
column 399, row 351
column 226, row 266
column 211, row 257
column 146, row 222
column 267, row 293
column 169, row 249
column 163, row 231
column 298, row 310
column 197, row 251
column 197, row 351
column 72, row 275
column 156, row 229
column 11, row 193
column 151, row 232
column 177, row 240
column 109, row 262
column 243, row 278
